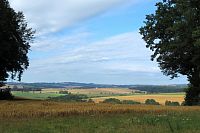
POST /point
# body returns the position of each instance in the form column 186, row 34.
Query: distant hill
column 148, row 88
column 161, row 88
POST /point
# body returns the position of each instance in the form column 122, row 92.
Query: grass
column 55, row 117
column 112, row 123
column 35, row 95
column 161, row 98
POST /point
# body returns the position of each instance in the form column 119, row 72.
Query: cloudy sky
column 90, row 41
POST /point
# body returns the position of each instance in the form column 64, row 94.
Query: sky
column 90, row 41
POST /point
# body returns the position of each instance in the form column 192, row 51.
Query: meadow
column 58, row 117
column 35, row 95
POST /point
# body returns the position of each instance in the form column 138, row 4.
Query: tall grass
column 34, row 109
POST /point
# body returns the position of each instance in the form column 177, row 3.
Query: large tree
column 15, row 37
column 173, row 34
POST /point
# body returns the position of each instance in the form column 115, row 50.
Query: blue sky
column 90, row 41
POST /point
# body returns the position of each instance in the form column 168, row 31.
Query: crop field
column 161, row 98
column 94, row 92
column 57, row 117
column 102, row 91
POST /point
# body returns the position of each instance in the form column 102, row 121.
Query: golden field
column 161, row 98
column 40, row 109
column 101, row 90
column 92, row 91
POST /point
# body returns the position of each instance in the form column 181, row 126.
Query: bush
column 151, row 102
column 170, row 103
column 130, row 102
column 183, row 103
column 70, row 98
column 112, row 100
column 63, row 92
column 90, row 101
column 5, row 94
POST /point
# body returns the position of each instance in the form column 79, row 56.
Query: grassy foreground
column 53, row 117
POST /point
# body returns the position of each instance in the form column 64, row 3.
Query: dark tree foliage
column 173, row 34
column 112, row 100
column 151, row 102
column 170, row 103
column 15, row 37
column 5, row 94
column 70, row 98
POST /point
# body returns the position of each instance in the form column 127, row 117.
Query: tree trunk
column 193, row 92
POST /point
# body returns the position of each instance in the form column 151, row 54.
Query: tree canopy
column 173, row 34
column 15, row 37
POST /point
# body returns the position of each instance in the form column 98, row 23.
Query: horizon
column 100, row 45
column 94, row 83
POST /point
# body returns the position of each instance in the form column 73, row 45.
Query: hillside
column 147, row 88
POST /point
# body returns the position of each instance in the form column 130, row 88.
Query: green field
column 35, row 95
column 112, row 123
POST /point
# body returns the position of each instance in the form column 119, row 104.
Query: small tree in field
column 170, row 103
column 173, row 34
column 151, row 102
column 112, row 100
column 14, row 43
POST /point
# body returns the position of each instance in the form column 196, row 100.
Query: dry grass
column 161, row 98
column 42, row 109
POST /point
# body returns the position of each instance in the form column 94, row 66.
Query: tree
column 173, row 34
column 151, row 102
column 15, row 37
column 170, row 103
column 112, row 100
column 5, row 94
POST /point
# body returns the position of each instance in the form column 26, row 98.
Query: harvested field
column 161, row 98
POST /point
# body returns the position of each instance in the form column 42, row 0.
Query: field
column 96, row 92
column 161, row 98
column 35, row 95
column 57, row 117
column 100, row 94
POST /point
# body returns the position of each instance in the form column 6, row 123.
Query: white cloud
column 124, row 52
column 120, row 59
column 51, row 15
column 50, row 42
column 60, row 55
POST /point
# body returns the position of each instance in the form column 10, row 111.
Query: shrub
column 183, row 103
column 5, row 94
column 130, row 102
column 63, row 92
column 90, row 101
column 151, row 102
column 70, row 98
column 170, row 103
column 112, row 100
